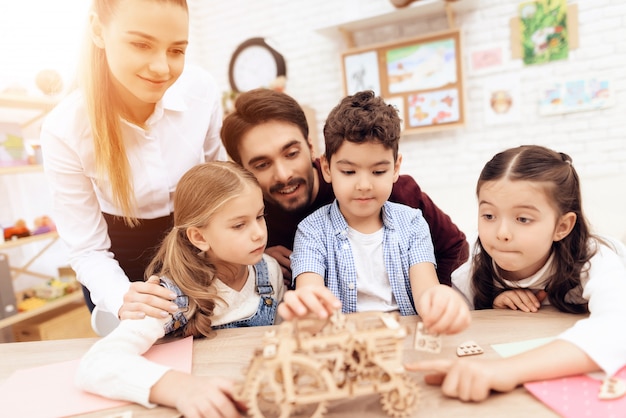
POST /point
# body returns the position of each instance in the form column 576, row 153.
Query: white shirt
column 600, row 334
column 237, row 305
column 114, row 366
column 373, row 287
column 183, row 131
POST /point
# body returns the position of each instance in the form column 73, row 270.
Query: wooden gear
column 303, row 364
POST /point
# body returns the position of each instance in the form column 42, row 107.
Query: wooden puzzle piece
column 468, row 348
column 306, row 363
column 612, row 388
column 425, row 341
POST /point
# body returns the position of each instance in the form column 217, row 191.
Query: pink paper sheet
column 49, row 391
column 577, row 397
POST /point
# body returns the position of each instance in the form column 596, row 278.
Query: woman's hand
column 147, row 298
column 468, row 380
column 523, row 299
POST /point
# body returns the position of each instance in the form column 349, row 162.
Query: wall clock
column 255, row 64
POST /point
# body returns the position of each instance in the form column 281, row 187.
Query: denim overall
column 265, row 314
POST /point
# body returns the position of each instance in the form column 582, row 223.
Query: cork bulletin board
column 422, row 77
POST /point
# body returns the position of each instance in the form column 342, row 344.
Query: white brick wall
column 446, row 164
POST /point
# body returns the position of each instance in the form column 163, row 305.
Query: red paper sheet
column 49, row 391
column 577, row 397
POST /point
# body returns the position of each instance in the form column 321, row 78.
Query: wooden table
column 229, row 352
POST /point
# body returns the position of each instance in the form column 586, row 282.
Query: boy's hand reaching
column 443, row 310
column 522, row 299
column 306, row 300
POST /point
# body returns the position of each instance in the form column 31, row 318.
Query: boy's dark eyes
column 380, row 172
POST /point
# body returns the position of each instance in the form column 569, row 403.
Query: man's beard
column 295, row 203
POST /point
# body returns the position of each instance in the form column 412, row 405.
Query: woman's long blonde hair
column 200, row 193
column 104, row 108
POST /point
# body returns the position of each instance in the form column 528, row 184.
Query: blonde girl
column 213, row 260
column 115, row 147
column 535, row 248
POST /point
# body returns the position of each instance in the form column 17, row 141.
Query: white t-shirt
column 114, row 367
column 601, row 334
column 374, row 291
column 236, row 305
column 183, row 131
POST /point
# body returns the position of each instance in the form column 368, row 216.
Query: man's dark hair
column 256, row 107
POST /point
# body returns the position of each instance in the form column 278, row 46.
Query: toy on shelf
column 19, row 230
column 43, row 225
column 304, row 364
column 29, row 304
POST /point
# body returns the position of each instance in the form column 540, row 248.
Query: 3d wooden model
column 306, row 363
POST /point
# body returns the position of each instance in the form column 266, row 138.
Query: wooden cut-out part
column 468, row 348
column 612, row 388
column 425, row 341
column 304, row 364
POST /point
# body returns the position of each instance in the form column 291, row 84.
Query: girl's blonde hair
column 104, row 108
column 200, row 193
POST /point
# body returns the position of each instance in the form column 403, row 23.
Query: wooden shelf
column 27, row 240
column 74, row 297
column 23, row 106
column 19, row 101
column 417, row 9
column 19, row 169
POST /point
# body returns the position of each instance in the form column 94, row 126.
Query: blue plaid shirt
column 321, row 246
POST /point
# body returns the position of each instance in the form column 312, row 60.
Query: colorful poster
column 502, row 100
column 575, row 95
column 487, row 59
column 544, row 34
column 422, row 66
column 361, row 72
column 433, row 108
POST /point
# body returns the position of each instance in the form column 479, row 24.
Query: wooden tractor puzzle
column 304, row 364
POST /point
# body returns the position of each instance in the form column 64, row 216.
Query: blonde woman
column 115, row 148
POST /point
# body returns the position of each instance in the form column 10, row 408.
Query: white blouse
column 183, row 131
column 600, row 334
column 114, row 366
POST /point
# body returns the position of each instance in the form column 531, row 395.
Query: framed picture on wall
column 422, row 77
column 361, row 72
column 487, row 59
